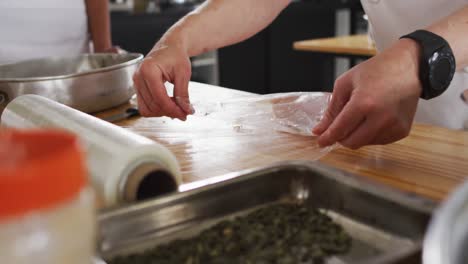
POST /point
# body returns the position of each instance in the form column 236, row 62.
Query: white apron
column 41, row 28
column 391, row 19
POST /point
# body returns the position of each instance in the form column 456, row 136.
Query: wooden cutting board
column 430, row 162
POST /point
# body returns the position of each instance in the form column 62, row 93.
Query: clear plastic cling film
column 294, row 113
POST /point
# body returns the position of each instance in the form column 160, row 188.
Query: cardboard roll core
column 148, row 180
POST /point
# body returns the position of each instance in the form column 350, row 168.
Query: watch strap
column 429, row 43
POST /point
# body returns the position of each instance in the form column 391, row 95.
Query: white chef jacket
column 391, row 19
column 42, row 28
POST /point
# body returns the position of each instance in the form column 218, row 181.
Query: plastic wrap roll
column 123, row 166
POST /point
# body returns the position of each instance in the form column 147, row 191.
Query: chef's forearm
column 99, row 24
column 218, row 23
column 454, row 29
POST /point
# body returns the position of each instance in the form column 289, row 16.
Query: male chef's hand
column 374, row 102
column 164, row 63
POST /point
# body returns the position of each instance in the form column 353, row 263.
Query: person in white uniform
column 41, row 28
column 373, row 103
column 393, row 19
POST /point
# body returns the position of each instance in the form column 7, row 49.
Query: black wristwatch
column 437, row 65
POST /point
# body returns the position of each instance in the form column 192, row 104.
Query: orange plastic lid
column 38, row 169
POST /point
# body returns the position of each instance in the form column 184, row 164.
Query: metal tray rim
column 421, row 204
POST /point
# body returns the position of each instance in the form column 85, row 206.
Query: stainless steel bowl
column 89, row 82
column 446, row 241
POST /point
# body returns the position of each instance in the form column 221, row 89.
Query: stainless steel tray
column 88, row 82
column 387, row 226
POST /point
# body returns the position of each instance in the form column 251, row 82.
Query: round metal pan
column 89, row 82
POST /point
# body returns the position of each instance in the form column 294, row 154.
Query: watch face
column 442, row 68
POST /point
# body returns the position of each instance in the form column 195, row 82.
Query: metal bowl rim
column 137, row 58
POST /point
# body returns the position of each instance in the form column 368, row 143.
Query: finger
column 181, row 97
column 363, row 135
column 181, row 93
column 346, row 122
column 142, row 108
column 168, row 106
column 185, row 104
column 152, row 108
column 341, row 95
column 158, row 92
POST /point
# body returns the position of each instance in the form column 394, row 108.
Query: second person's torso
column 41, row 28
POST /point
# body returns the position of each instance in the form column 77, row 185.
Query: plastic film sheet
column 294, row 113
column 231, row 134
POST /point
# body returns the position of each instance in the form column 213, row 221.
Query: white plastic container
column 47, row 210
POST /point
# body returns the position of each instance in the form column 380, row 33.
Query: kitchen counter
column 429, row 162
